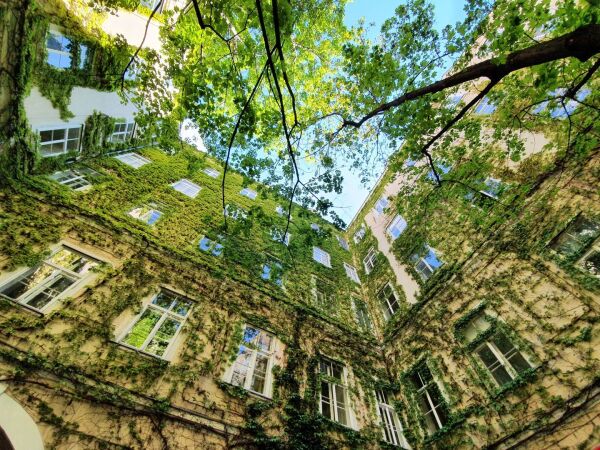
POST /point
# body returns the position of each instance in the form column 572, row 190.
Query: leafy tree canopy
column 272, row 84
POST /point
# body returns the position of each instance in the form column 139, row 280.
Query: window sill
column 140, row 352
column 24, row 306
column 226, row 384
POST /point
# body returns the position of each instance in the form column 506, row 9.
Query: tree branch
column 582, row 44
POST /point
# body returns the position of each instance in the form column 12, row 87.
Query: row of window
column 155, row 329
column 56, row 141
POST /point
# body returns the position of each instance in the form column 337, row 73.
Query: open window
column 252, row 368
column 41, row 286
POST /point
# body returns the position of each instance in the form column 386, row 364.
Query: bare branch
column 154, row 11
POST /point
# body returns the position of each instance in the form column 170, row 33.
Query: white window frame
column 369, row 325
column 79, row 279
column 146, row 215
column 351, row 272
column 423, row 260
column 359, row 234
column 269, row 354
column 271, row 263
column 501, row 359
column 392, row 429
column 187, row 187
column 369, row 260
column 74, row 177
column 165, row 314
column 430, row 403
column 381, row 204
column 388, row 308
column 247, row 192
column 122, row 135
column 276, row 236
column 343, row 243
column 132, row 159
column 334, row 402
column 397, row 223
column 211, row 172
column 322, row 257
column 66, row 128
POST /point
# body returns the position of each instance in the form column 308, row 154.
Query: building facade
column 138, row 312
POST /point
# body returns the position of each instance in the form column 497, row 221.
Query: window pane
column 260, row 374
column 325, row 400
column 45, row 135
column 340, row 405
column 241, row 366
column 58, row 135
column 181, row 307
column 142, row 328
column 72, row 144
column 163, row 300
column 57, row 147
column 52, row 289
column 487, row 356
column 27, row 281
column 163, row 336
column 501, row 375
column 72, row 261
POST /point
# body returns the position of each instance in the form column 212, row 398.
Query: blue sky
column 376, row 12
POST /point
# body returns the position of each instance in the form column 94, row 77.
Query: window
column 133, row 160
column 396, row 227
column 315, row 227
column 323, row 295
column 343, row 243
column 209, row 246
column 576, row 237
column 186, row 187
column 83, row 54
column 156, row 328
column 58, row 141
column 252, row 367
column 122, row 132
column 59, row 50
column 213, row 173
column 76, row 179
column 43, row 284
column 392, row 428
column 249, row 193
column 272, row 270
column 321, row 256
column 441, row 169
column 359, row 235
column 426, row 265
column 429, row 398
column 146, row 213
column 388, row 300
column 369, row 260
column 485, row 107
column 235, row 212
column 362, row 314
column 334, row 398
column 381, row 204
column 492, row 188
column 277, row 235
column 351, row 272
column 150, row 4
column 501, row 358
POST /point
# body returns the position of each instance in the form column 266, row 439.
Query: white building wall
column 84, row 101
